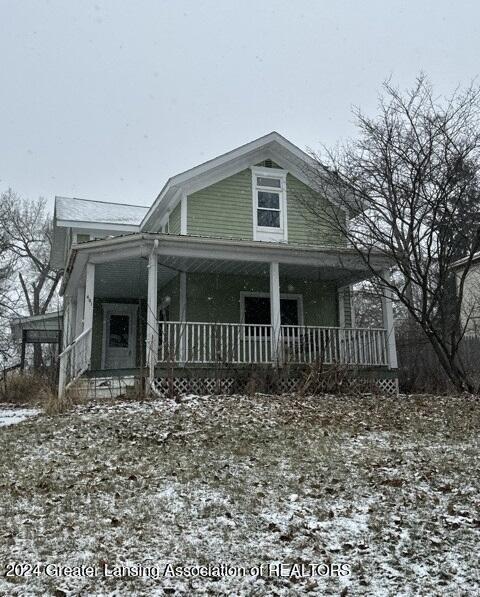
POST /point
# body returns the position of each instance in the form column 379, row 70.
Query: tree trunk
column 450, row 365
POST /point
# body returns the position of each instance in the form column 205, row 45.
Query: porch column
column 183, row 317
column 341, row 307
column 388, row 324
column 341, row 324
column 151, row 337
column 275, row 310
column 88, row 305
column 79, row 311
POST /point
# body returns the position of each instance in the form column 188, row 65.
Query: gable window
column 269, row 204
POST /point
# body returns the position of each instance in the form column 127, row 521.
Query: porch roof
column 52, row 321
column 201, row 254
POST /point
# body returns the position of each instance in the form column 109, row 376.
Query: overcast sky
column 106, row 100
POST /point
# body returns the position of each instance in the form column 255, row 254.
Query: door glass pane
column 271, row 200
column 118, row 336
column 268, row 218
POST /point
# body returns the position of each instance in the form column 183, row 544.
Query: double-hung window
column 269, row 204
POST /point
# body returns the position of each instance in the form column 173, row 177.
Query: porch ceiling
column 225, row 266
column 122, row 262
column 128, row 279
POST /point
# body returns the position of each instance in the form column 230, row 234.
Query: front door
column 120, row 336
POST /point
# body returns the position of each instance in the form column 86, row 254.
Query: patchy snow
column 84, row 210
column 10, row 416
column 388, row 488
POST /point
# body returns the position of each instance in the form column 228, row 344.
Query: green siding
column 347, row 306
column 216, row 297
column 171, row 293
column 300, row 228
column 174, row 226
column 223, row 210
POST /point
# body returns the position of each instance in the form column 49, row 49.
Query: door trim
column 109, row 308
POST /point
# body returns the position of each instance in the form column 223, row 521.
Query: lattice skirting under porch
column 182, row 386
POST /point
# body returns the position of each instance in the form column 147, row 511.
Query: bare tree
column 8, row 295
column 28, row 235
column 410, row 183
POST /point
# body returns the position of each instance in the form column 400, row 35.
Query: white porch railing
column 352, row 346
column 74, row 360
column 239, row 343
column 214, row 343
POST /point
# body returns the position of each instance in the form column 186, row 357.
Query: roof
column 48, row 321
column 120, row 218
column 273, row 146
column 73, row 209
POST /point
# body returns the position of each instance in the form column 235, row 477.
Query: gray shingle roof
column 84, row 210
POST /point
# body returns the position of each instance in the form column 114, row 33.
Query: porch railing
column 74, row 360
column 352, row 346
column 239, row 343
column 214, row 342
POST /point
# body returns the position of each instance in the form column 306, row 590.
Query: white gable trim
column 183, row 214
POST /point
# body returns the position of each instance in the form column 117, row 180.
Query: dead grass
column 389, row 486
column 26, row 388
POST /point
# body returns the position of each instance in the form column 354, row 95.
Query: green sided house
column 221, row 272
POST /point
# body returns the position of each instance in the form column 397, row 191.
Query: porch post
column 88, row 305
column 79, row 311
column 183, row 316
column 275, row 310
column 341, row 307
column 388, row 324
column 151, row 337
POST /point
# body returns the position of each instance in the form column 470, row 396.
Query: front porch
column 149, row 303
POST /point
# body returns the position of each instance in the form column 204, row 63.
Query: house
column 470, row 313
column 221, row 272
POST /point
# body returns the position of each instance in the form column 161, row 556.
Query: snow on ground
column 385, row 488
column 10, row 416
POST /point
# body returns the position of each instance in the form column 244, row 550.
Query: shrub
column 23, row 388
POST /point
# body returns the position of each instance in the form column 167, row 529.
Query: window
column 82, row 238
column 269, row 204
column 255, row 309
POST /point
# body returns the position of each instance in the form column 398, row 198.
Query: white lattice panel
column 181, row 386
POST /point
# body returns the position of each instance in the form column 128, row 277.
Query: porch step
column 105, row 387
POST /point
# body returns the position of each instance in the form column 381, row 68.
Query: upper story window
column 269, row 204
